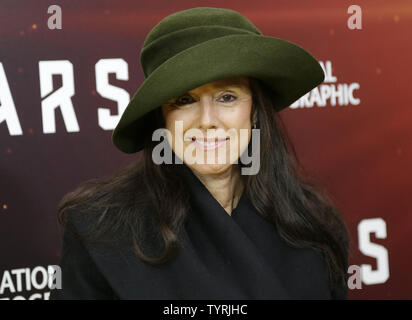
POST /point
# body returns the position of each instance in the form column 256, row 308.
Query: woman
column 185, row 229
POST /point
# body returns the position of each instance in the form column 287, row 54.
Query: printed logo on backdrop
column 330, row 92
column 365, row 273
column 30, row 284
column 59, row 100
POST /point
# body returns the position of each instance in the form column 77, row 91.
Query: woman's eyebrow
column 224, row 86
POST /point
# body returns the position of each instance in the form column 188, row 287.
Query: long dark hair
column 146, row 203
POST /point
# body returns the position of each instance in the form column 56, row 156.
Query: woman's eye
column 183, row 100
column 187, row 99
column 227, row 97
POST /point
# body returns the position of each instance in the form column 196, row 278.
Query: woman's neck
column 226, row 187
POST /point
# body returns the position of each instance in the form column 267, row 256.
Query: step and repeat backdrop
column 69, row 68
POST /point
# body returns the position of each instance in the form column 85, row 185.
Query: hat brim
column 289, row 70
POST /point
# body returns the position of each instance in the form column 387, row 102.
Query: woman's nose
column 207, row 113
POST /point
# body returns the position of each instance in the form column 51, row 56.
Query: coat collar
column 201, row 196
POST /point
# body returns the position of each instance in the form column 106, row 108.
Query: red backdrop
column 356, row 145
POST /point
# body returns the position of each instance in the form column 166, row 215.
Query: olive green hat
column 195, row 46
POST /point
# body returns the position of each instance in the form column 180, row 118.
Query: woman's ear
column 254, row 117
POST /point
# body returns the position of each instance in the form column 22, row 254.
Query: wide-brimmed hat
column 199, row 45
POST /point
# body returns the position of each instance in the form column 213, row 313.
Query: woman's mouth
column 209, row 144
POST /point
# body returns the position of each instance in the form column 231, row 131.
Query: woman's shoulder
column 113, row 225
column 82, row 274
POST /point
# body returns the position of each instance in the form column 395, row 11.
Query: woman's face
column 216, row 111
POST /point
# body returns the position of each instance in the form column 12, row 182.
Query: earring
column 254, row 125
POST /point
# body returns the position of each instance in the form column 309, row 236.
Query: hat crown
column 184, row 29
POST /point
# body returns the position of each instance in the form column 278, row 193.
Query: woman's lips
column 209, row 145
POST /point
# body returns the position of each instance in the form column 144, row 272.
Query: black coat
column 222, row 257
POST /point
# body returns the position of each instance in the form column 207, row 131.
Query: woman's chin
column 205, row 169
